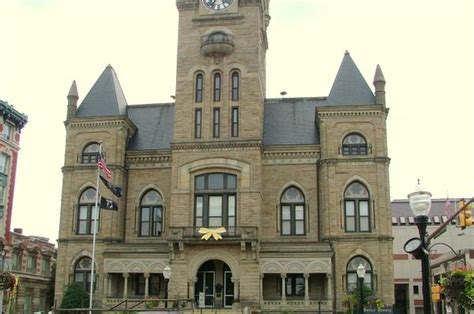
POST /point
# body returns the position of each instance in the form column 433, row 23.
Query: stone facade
column 225, row 160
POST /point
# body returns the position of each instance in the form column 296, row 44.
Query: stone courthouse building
column 301, row 185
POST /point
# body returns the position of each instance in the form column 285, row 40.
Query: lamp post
column 420, row 204
column 360, row 281
column 167, row 275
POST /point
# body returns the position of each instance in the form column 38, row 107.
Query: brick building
column 32, row 259
column 300, row 185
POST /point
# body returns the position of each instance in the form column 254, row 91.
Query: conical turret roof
column 350, row 87
column 105, row 98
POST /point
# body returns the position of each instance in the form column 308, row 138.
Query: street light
column 420, row 204
column 360, row 280
column 167, row 275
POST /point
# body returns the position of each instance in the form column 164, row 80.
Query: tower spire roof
column 350, row 87
column 379, row 75
column 73, row 90
column 105, row 98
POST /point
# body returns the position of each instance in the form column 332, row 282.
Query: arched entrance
column 214, row 287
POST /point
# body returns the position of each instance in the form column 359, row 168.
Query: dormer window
column 354, row 144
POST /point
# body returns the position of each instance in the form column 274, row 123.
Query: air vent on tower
column 217, row 44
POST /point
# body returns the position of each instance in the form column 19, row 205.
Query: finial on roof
column 73, row 90
column 379, row 83
column 72, row 98
column 347, row 52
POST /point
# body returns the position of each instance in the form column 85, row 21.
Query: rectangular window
column 217, row 87
column 295, row 285
column 285, row 220
column 198, row 123
column 416, row 289
column 145, row 222
column 350, row 216
column 31, row 264
column 235, row 86
column 235, row 122
column 199, row 88
column 216, row 122
column 4, row 163
column 7, row 131
column 364, row 224
column 45, row 266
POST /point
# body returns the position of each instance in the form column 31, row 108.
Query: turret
column 379, row 83
column 72, row 98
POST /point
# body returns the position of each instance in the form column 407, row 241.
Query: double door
column 209, row 293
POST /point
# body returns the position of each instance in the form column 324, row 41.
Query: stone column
column 125, row 285
column 306, row 289
column 147, row 279
column 191, row 287
column 329, row 286
column 283, row 289
column 236, row 283
column 109, row 285
column 261, row 289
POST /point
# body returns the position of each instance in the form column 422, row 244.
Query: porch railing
column 231, row 233
column 324, row 305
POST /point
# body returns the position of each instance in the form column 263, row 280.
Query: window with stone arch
column 90, row 153
column 292, row 215
column 235, row 86
column 217, row 86
column 82, row 273
column 351, row 273
column 356, row 208
column 354, row 144
column 151, row 214
column 87, row 212
column 215, row 200
column 199, row 87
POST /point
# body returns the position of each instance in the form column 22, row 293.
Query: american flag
column 103, row 166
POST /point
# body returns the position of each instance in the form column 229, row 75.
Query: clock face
column 217, row 5
column 412, row 245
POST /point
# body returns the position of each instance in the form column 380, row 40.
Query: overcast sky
column 425, row 48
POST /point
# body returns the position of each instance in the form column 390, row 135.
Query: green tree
column 74, row 297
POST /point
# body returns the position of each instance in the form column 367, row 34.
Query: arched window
column 292, row 212
column 356, row 208
column 217, row 87
column 235, row 86
column 215, row 202
column 351, row 273
column 151, row 214
column 354, row 144
column 82, row 273
column 90, row 153
column 199, row 88
column 87, row 212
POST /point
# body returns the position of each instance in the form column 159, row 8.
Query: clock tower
column 220, row 83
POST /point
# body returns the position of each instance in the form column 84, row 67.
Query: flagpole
column 91, row 291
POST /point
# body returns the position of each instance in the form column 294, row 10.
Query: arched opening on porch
column 214, row 287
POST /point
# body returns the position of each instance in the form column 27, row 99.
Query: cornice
column 293, row 157
column 216, row 146
column 9, row 113
column 353, row 237
column 383, row 160
column 81, row 124
column 186, row 4
column 219, row 19
column 162, row 160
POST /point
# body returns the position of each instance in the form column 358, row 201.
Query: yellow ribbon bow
column 215, row 233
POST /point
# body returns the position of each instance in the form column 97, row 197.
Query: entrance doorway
column 214, row 287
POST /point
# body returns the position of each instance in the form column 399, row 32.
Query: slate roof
column 105, row 98
column 350, row 87
column 291, row 121
column 154, row 126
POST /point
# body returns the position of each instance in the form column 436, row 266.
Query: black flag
column 105, row 203
column 116, row 190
